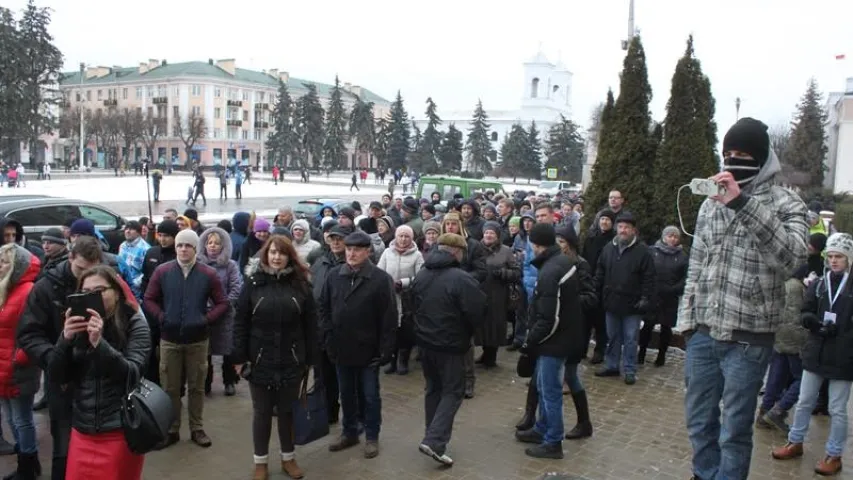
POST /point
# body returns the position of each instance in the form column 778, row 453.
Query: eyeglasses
column 96, row 289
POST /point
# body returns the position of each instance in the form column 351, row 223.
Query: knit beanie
column 750, row 136
column 493, row 226
column 301, row 224
column 542, row 234
column 168, row 227
column 515, row 221
column 54, row 235
column 670, row 230
column 82, row 226
column 434, row 226
column 187, row 236
column 261, row 225
column 841, row 243
column 191, row 213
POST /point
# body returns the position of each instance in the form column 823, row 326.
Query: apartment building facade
column 839, row 161
column 236, row 105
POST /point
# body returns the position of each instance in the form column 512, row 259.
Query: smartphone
column 80, row 302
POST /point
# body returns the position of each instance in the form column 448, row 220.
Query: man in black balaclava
column 748, row 241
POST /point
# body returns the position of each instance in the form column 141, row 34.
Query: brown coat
column 503, row 270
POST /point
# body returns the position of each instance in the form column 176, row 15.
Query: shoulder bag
column 146, row 413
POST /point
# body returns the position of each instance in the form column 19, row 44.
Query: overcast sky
column 456, row 51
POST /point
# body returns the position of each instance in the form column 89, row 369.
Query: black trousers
column 229, row 376
column 238, row 191
column 152, row 371
column 596, row 320
column 59, row 409
column 263, row 401
column 330, row 381
column 444, row 373
column 223, row 191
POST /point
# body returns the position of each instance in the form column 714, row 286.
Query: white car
column 552, row 187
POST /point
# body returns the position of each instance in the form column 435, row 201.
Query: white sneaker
column 442, row 459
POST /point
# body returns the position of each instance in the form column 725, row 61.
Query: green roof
column 208, row 71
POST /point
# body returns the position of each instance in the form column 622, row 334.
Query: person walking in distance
column 448, row 306
column 748, row 241
column 354, row 183
column 359, row 321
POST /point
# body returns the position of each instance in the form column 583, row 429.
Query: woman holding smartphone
column 94, row 356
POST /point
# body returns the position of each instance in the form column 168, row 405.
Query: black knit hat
column 750, row 136
column 626, row 217
column 542, row 234
column 168, row 227
column 411, row 205
column 567, row 233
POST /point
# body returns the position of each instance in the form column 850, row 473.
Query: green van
column 449, row 186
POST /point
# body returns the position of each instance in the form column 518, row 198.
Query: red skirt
column 103, row 456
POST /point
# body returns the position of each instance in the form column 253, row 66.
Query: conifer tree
column 687, row 149
column 430, row 146
column 478, row 144
column 565, row 150
column 807, row 149
column 451, row 150
column 310, row 126
column 533, row 159
column 334, row 148
column 280, row 144
column 399, row 131
column 362, row 128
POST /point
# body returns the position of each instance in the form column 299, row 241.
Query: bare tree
column 153, row 127
column 130, row 128
column 780, row 137
column 190, row 131
column 69, row 128
column 594, row 130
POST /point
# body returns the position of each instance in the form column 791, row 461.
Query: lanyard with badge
column 829, row 316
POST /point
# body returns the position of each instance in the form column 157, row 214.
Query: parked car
column 37, row 213
column 552, row 187
column 449, row 186
column 310, row 207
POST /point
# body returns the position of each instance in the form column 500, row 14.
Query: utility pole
column 737, row 108
column 632, row 31
column 82, row 127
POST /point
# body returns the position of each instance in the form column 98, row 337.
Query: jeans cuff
column 261, row 459
column 288, row 456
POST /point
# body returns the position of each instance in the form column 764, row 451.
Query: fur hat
column 452, row 240
column 434, row 226
column 301, row 224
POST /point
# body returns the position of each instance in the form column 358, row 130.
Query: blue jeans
column 839, row 394
column 19, row 414
column 572, row 379
column 622, row 335
column 549, row 382
column 351, row 381
column 779, row 390
column 731, row 372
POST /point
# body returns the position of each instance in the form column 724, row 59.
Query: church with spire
column 546, row 90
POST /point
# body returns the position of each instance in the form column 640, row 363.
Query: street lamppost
column 82, row 138
column 737, row 108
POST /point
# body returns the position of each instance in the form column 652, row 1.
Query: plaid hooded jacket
column 740, row 260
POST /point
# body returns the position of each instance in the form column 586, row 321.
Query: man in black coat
column 448, row 306
column 154, row 257
column 625, row 280
column 39, row 329
column 358, row 315
column 555, row 334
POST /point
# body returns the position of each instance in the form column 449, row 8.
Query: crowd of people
column 352, row 293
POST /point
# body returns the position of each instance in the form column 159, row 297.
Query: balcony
column 234, row 103
column 234, row 123
column 262, row 124
column 110, row 102
column 262, row 106
column 160, row 100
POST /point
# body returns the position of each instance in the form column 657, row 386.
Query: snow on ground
column 174, row 188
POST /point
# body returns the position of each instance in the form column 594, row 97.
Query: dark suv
column 37, row 213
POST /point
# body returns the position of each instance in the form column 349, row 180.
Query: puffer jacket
column 228, row 272
column 275, row 328
column 18, row 376
column 528, row 271
column 741, row 257
column 791, row 335
column 307, row 245
column 99, row 375
column 829, row 355
column 401, row 266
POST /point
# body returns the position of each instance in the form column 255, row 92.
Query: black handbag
column 525, row 366
column 146, row 414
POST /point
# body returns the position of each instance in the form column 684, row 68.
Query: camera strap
column 833, row 298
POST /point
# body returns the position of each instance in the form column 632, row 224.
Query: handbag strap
column 132, row 378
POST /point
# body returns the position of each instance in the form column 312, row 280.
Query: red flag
column 840, row 57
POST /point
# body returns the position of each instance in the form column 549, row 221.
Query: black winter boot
column 391, row 368
column 663, row 345
column 28, row 468
column 208, row 381
column 403, row 361
column 529, row 418
column 583, row 429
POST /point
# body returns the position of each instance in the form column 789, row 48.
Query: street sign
column 552, row 174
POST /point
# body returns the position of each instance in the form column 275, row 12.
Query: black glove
column 643, row 305
column 496, row 272
column 398, row 286
column 828, row 329
column 524, row 348
column 810, row 322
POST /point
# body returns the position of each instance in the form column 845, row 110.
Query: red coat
column 12, row 357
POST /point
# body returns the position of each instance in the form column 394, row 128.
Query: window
column 196, row 110
column 217, row 112
column 259, row 97
column 232, row 133
column 79, row 97
column 100, row 95
column 245, row 135
column 88, row 95
column 556, row 88
column 217, row 133
column 272, row 98
column 449, row 191
column 217, row 92
column 428, row 188
column 110, row 94
column 161, row 111
column 124, row 93
column 177, row 91
column 102, row 219
column 150, row 91
column 196, row 90
column 245, row 95
column 257, row 135
column 494, row 136
column 176, row 112
column 245, row 115
column 51, row 216
column 534, row 88
column 138, row 93
column 150, row 112
column 161, row 90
